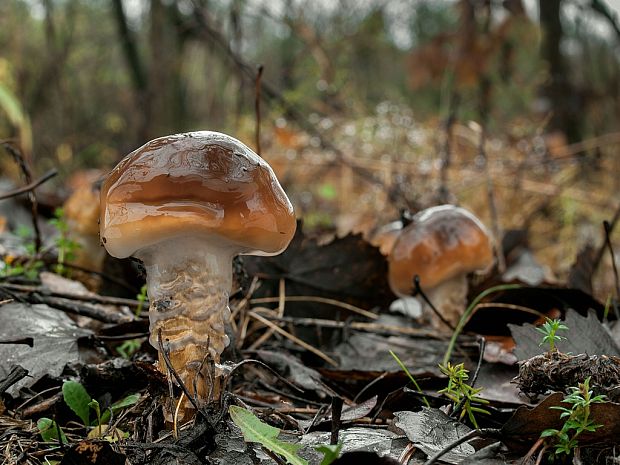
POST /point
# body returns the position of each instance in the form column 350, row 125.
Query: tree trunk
column 564, row 104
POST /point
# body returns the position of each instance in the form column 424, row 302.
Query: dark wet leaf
column 585, row 335
column 489, row 455
column 431, row 430
column 371, row 352
column 347, row 268
column 349, row 413
column 495, row 320
column 55, row 338
column 356, row 439
column 295, row 371
column 526, row 424
column 364, row 458
column 582, row 270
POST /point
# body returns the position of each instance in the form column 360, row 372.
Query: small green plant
column 410, row 376
column 461, row 393
column 469, row 311
column 141, row 298
column 28, row 265
column 576, row 419
column 266, row 435
column 128, row 348
column 549, row 331
column 64, row 244
column 79, row 401
column 49, row 431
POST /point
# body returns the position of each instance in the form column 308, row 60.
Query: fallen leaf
column 55, row 338
column 431, row 430
column 585, row 335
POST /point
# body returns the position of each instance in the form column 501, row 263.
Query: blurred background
column 510, row 108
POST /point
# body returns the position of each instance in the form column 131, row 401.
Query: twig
column 406, row 454
column 526, row 459
column 268, row 368
column 165, row 355
column 257, row 87
column 469, row 311
column 417, row 289
column 360, row 326
column 369, row 385
column 281, row 302
column 485, row 432
column 34, row 206
column 68, row 306
column 17, row 373
column 29, row 187
column 336, row 414
column 273, row 456
column 608, row 231
column 483, row 343
column 93, row 298
column 292, row 338
column 322, row 300
column 607, row 228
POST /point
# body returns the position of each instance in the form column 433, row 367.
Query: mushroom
column 184, row 205
column 441, row 246
column 385, row 236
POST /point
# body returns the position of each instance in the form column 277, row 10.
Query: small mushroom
column 441, row 246
column 184, row 205
column 385, row 236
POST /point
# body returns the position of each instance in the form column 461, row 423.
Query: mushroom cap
column 441, row 243
column 385, row 236
column 199, row 183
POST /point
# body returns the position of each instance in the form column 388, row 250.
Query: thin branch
column 486, row 433
column 418, row 290
column 292, row 338
column 34, row 206
column 29, row 187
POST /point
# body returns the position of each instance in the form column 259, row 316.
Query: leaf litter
column 383, row 414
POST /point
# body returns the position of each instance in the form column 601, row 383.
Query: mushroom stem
column 450, row 299
column 189, row 281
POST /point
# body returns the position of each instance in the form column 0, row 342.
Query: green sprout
column 410, row 376
column 462, row 394
column 549, row 330
column 128, row 348
column 577, row 419
column 141, row 298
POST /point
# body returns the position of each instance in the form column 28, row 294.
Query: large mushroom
column 184, row 205
column 441, row 246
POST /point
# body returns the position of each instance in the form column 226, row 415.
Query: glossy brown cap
column 441, row 243
column 200, row 183
column 385, row 237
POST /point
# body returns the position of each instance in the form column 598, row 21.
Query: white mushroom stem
column 450, row 300
column 189, row 281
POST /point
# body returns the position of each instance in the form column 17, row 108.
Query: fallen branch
column 29, row 187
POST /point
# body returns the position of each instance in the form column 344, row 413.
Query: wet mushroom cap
column 441, row 243
column 199, row 183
